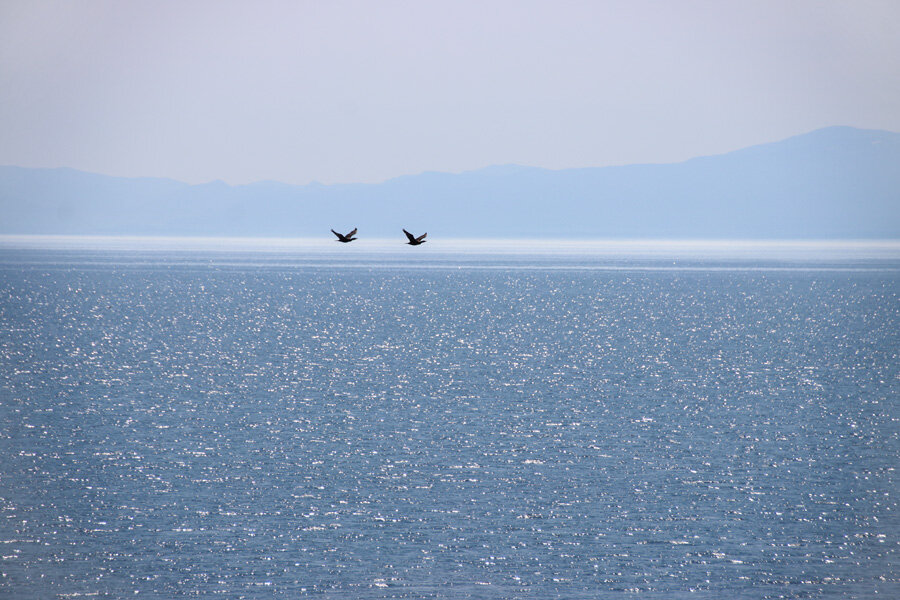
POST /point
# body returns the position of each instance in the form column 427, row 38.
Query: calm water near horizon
column 461, row 420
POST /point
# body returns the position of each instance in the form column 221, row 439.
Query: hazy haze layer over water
column 373, row 423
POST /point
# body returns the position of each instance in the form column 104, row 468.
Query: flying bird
column 344, row 238
column 413, row 240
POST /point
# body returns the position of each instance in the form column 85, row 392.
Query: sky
column 364, row 91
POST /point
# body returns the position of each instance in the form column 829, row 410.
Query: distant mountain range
column 837, row 182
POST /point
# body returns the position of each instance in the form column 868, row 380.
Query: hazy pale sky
column 362, row 91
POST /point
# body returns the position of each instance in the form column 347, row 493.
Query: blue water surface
column 273, row 425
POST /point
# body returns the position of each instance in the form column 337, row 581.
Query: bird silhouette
column 344, row 238
column 413, row 240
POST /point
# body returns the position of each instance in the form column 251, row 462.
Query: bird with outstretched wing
column 344, row 238
column 413, row 240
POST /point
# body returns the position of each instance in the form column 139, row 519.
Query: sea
column 529, row 419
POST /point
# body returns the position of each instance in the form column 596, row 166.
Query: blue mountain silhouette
column 838, row 182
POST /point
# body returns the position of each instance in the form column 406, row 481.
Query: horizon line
column 831, row 248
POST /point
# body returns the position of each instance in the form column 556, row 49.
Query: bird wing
column 352, row 233
column 337, row 234
column 421, row 237
column 411, row 237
